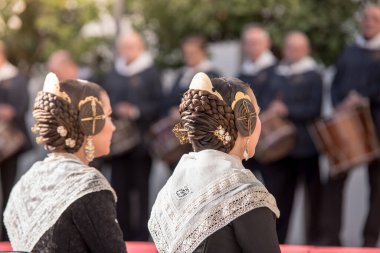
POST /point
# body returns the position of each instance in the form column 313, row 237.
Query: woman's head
column 220, row 114
column 70, row 112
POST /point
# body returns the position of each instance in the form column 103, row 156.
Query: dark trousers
column 281, row 180
column 332, row 208
column 130, row 179
column 8, row 169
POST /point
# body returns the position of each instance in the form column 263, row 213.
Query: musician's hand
column 352, row 100
column 127, row 110
column 174, row 113
column 6, row 112
column 279, row 108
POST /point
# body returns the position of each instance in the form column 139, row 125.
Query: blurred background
column 88, row 29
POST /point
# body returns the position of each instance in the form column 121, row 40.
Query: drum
column 125, row 137
column 11, row 140
column 277, row 139
column 347, row 138
column 164, row 144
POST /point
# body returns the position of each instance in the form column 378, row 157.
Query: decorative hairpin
column 35, row 129
column 181, row 133
column 62, row 131
column 222, row 135
column 239, row 95
column 91, row 99
column 201, row 81
column 94, row 117
column 39, row 140
column 51, row 85
column 70, row 143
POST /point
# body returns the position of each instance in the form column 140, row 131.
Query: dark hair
column 197, row 39
column 203, row 112
column 52, row 111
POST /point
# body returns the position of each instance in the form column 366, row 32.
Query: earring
column 245, row 153
column 89, row 149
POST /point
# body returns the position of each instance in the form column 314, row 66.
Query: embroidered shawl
column 207, row 190
column 44, row 193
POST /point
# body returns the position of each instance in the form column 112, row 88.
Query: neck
column 237, row 151
column 82, row 155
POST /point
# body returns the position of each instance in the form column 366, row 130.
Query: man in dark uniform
column 14, row 101
column 259, row 63
column 134, row 88
column 357, row 69
column 257, row 70
column 296, row 91
column 195, row 58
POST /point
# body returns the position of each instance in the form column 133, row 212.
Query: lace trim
column 176, row 221
column 212, row 220
column 217, row 188
column 26, row 227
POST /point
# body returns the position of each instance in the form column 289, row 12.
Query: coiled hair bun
column 214, row 111
column 65, row 112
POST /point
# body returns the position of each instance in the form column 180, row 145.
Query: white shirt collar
column 371, row 44
column 265, row 60
column 143, row 62
column 305, row 64
column 7, row 71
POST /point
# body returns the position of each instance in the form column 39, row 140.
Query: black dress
column 251, row 232
column 88, row 225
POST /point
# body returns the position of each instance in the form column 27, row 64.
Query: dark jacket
column 88, row 225
column 260, row 84
column 253, row 232
column 302, row 94
column 142, row 90
column 14, row 92
column 358, row 69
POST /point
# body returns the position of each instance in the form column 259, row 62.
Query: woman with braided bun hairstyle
column 61, row 204
column 212, row 203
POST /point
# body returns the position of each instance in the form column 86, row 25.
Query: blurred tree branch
column 33, row 29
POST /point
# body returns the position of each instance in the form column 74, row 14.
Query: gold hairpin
column 222, row 135
column 94, row 117
column 181, row 133
column 91, row 99
column 239, row 95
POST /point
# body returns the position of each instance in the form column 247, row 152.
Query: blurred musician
column 134, row 87
column 357, row 77
column 297, row 93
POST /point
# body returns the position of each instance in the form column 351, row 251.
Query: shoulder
column 99, row 199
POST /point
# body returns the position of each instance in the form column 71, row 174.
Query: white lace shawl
column 207, row 190
column 44, row 193
column 265, row 60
